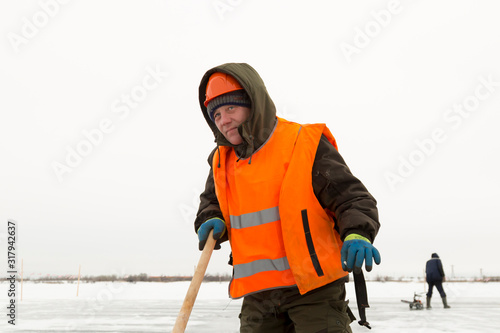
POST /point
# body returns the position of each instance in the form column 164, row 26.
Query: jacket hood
column 260, row 124
column 435, row 255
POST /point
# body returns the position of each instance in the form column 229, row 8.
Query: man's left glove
column 357, row 249
column 219, row 229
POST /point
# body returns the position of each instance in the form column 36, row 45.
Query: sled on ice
column 416, row 303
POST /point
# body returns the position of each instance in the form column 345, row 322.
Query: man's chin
column 234, row 141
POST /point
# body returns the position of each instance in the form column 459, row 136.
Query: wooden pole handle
column 194, row 287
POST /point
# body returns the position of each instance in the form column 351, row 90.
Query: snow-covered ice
column 153, row 307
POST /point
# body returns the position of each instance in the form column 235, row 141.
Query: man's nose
column 224, row 118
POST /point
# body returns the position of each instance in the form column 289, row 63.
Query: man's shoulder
column 211, row 156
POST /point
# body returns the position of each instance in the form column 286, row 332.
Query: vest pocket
column 310, row 244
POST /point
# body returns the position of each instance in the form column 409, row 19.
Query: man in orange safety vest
column 296, row 218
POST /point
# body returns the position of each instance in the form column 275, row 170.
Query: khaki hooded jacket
column 335, row 187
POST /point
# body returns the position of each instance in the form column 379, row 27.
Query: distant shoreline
column 219, row 278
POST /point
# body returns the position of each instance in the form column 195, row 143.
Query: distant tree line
column 379, row 278
column 142, row 277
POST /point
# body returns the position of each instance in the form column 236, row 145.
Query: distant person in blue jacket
column 435, row 277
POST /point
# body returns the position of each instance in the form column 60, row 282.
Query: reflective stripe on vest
column 256, row 218
column 259, row 266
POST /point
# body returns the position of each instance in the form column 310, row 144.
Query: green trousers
column 323, row 310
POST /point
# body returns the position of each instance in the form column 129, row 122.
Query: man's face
column 227, row 119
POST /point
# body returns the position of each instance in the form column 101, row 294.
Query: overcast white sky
column 103, row 147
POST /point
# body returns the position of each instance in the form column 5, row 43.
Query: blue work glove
column 219, row 229
column 355, row 250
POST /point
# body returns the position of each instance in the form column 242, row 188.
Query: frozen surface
column 153, row 307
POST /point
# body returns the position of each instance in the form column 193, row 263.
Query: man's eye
column 216, row 115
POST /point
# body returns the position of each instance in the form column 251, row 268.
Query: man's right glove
column 357, row 249
column 219, row 229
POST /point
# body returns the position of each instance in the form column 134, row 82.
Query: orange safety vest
column 280, row 235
